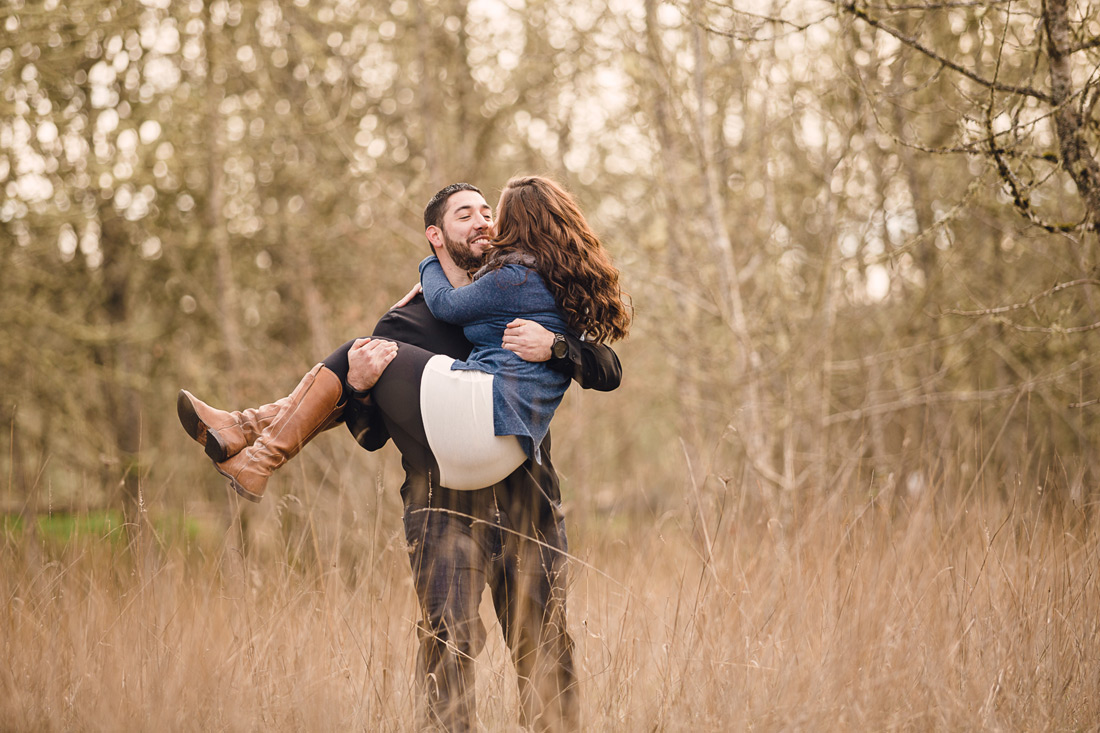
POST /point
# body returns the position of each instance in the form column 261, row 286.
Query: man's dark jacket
column 593, row 366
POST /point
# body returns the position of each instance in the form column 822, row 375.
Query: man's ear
column 435, row 236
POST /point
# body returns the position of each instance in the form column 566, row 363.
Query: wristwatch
column 560, row 347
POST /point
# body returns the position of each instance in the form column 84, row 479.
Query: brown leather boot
column 314, row 405
column 223, row 434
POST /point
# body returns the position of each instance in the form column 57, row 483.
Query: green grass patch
column 63, row 527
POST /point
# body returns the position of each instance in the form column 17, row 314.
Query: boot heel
column 215, row 446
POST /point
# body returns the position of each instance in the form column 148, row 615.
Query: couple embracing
column 464, row 375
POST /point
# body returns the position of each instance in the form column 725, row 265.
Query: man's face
column 467, row 228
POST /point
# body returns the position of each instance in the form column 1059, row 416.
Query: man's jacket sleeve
column 593, row 366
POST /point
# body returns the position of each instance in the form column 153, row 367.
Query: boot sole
column 238, row 488
column 190, row 419
column 199, row 431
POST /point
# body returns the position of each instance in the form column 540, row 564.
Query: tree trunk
column 730, row 302
column 305, row 284
column 683, row 325
column 120, row 368
column 1069, row 122
column 430, row 108
column 225, row 291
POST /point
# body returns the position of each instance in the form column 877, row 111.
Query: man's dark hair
column 433, row 212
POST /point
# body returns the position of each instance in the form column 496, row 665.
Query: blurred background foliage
column 860, row 240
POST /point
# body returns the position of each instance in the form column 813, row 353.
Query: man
column 510, row 536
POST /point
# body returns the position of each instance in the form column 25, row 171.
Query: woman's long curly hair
column 538, row 217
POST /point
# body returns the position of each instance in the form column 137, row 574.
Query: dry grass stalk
column 851, row 616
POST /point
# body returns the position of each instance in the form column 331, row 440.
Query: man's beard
column 461, row 254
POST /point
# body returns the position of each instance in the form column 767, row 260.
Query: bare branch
column 851, row 9
column 1085, row 46
column 982, row 4
column 922, row 400
column 1060, row 330
column 1020, row 200
column 1027, row 304
column 899, row 354
column 792, row 27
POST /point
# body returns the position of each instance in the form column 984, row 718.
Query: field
column 916, row 614
column 849, row 482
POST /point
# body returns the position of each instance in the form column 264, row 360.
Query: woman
column 472, row 422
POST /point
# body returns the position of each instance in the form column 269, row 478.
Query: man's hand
column 408, row 296
column 529, row 340
column 367, row 359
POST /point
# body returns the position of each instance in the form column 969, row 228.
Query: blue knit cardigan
column 525, row 394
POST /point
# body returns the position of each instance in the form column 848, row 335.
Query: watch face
column 559, row 348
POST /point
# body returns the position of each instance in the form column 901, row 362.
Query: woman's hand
column 367, row 359
column 529, row 340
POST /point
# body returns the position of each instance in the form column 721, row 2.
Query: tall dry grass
column 924, row 614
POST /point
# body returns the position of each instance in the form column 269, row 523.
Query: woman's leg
column 224, row 434
column 442, row 420
column 315, row 405
column 397, row 395
column 318, row 401
column 337, row 363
